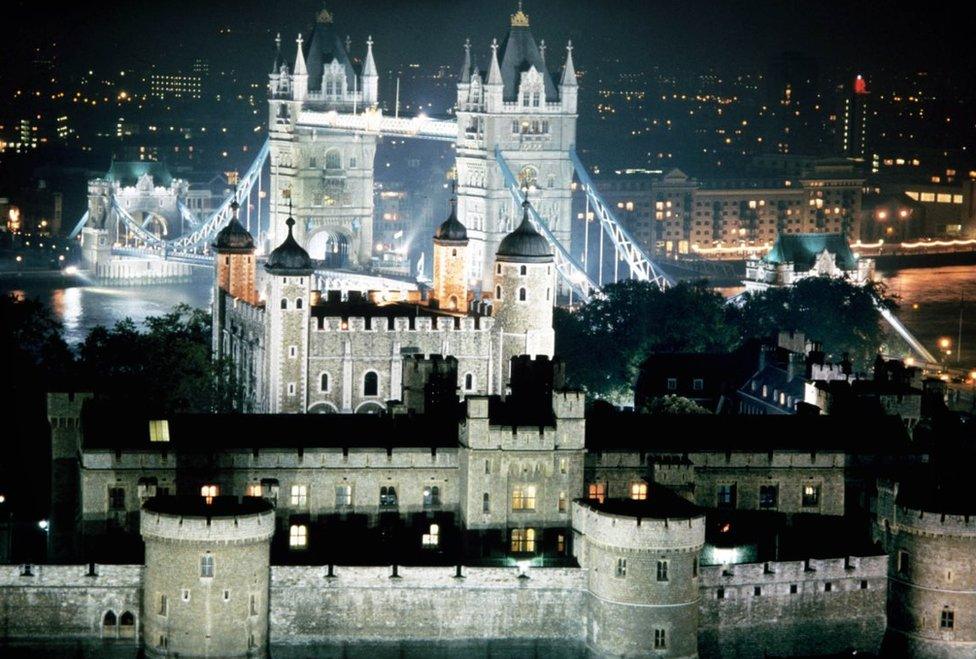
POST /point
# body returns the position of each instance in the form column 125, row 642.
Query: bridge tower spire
column 568, row 87
column 370, row 77
column 300, row 77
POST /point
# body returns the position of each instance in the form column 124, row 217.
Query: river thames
column 932, row 301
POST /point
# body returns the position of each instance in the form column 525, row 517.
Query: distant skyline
column 674, row 36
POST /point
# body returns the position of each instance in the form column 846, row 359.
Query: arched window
column 469, row 381
column 521, row 295
column 298, row 303
column 207, row 565
column 498, row 292
column 333, row 160
column 523, row 270
column 324, row 382
column 127, row 625
column 371, row 384
column 109, row 624
column 284, row 303
column 486, row 504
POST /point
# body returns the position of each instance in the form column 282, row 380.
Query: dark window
column 523, row 270
column 284, row 303
column 757, row 591
column 324, row 382
column 486, row 504
column 726, row 495
column 468, row 382
column 672, row 384
column 793, row 589
column 662, row 570
column 207, row 565
column 521, row 295
column 697, row 384
column 298, row 303
column 720, row 594
column 116, row 498
column 388, row 496
column 371, row 384
column 768, row 496
column 948, row 619
column 432, row 496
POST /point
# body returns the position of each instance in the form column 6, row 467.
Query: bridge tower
column 327, row 175
column 517, row 108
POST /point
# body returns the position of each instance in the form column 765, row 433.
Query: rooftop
column 196, row 506
column 661, row 503
column 801, row 249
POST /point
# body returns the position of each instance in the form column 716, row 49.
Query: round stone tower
column 206, row 582
column 928, row 529
column 641, row 560
column 450, row 285
column 524, row 293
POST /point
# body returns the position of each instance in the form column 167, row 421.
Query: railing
column 625, row 247
column 373, row 121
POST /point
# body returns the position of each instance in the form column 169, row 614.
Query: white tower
column 327, row 176
column 288, row 287
column 518, row 109
column 523, row 290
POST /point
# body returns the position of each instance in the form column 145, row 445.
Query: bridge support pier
column 96, row 248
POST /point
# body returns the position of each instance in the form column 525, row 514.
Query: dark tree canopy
column 604, row 341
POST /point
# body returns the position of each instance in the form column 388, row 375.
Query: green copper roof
column 127, row 173
column 802, row 249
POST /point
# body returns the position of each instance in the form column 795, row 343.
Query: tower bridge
column 514, row 131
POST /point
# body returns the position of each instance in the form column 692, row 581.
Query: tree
column 168, row 367
column 844, row 317
column 604, row 342
column 671, row 404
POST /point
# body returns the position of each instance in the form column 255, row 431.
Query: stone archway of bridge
column 330, row 245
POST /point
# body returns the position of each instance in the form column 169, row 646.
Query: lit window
column 298, row 536
column 562, row 465
column 638, row 491
column 597, row 491
column 209, row 492
column 159, row 430
column 207, row 566
column 523, row 498
column 811, row 495
column 254, row 490
column 432, row 537
column 343, row 496
column 523, row 540
column 662, row 570
column 621, row 567
column 563, row 502
column 299, row 495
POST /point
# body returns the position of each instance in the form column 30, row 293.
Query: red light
column 860, row 86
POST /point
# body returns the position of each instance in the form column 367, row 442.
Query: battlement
column 401, row 324
column 794, row 572
column 70, row 576
column 247, row 311
column 661, row 529
column 914, row 518
column 186, row 519
column 569, row 404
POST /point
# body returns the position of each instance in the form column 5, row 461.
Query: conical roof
column 524, row 243
column 289, row 258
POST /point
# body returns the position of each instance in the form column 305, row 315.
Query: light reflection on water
column 81, row 308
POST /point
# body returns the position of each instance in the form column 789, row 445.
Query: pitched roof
column 802, row 250
column 324, row 46
column 520, row 54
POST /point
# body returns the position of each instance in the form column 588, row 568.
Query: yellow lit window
column 638, row 491
column 254, row 490
column 523, row 540
column 523, row 498
column 563, row 502
column 209, row 492
column 298, row 536
column 597, row 491
column 159, row 430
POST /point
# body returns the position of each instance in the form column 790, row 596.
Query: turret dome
column 289, row 258
column 524, row 243
column 234, row 237
column 452, row 229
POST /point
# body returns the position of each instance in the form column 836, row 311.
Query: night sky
column 673, row 35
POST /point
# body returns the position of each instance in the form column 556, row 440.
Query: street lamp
column 972, row 379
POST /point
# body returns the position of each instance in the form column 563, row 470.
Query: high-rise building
column 854, row 118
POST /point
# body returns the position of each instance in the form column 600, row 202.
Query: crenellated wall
column 793, row 607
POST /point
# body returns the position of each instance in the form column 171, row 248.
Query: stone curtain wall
column 63, row 601
column 366, row 603
column 811, row 621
